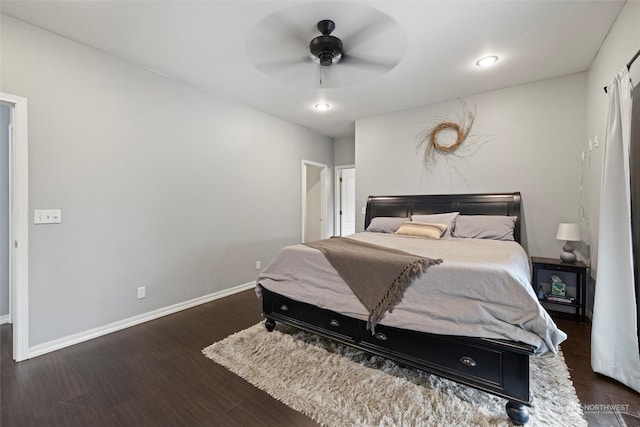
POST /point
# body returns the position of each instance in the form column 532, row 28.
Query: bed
column 483, row 335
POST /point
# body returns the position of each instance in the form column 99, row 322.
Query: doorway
column 5, row 253
column 314, row 201
column 345, row 200
column 17, row 212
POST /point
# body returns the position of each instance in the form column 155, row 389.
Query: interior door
column 314, row 201
column 348, row 202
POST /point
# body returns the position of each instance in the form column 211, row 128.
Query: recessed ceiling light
column 487, row 61
column 322, row 106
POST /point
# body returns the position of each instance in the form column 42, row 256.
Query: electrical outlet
column 142, row 292
column 258, row 267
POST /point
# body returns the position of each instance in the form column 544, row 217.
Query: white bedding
column 481, row 289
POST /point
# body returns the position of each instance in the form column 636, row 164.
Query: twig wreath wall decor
column 446, row 138
column 461, row 136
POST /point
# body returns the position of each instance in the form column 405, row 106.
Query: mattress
column 481, row 289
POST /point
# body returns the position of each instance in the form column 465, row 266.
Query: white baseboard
column 57, row 344
column 5, row 318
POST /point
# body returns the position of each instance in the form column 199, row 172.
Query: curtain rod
column 628, row 65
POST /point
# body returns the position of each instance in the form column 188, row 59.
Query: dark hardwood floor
column 154, row 374
column 605, row 402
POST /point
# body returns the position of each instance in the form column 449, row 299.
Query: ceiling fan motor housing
column 326, row 47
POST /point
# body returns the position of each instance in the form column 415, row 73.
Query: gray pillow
column 495, row 227
column 439, row 218
column 386, row 224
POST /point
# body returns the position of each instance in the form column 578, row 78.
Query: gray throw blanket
column 377, row 275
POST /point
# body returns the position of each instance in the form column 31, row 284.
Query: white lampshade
column 568, row 232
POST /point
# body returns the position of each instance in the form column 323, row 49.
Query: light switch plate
column 47, row 216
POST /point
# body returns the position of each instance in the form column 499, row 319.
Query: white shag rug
column 337, row 385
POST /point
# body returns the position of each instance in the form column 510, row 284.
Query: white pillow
column 440, row 218
column 422, row 229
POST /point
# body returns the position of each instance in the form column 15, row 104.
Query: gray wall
column 160, row 184
column 528, row 138
column 5, row 113
column 344, row 151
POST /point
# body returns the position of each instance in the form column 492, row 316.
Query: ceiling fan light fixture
column 486, row 61
column 322, row 106
column 326, row 57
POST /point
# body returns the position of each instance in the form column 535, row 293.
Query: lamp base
column 569, row 257
column 567, row 254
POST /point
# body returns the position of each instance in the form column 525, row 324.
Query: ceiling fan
column 326, row 48
column 370, row 45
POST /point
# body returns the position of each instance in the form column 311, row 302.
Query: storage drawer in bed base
column 469, row 361
column 499, row 367
column 305, row 316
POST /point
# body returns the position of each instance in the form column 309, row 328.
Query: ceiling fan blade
column 277, row 35
column 287, row 26
column 373, row 65
column 376, row 26
column 277, row 65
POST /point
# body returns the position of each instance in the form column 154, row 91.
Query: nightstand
column 573, row 275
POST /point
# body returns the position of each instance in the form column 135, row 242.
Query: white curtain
column 614, row 337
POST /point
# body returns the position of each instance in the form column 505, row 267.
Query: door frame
column 324, row 233
column 337, row 220
column 18, row 225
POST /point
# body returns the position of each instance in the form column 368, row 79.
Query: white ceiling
column 215, row 44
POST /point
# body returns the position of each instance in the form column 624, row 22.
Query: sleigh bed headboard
column 467, row 204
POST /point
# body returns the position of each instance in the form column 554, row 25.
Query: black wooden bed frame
column 496, row 366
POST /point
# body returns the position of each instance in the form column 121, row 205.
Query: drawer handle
column 334, row 323
column 468, row 361
column 283, row 307
column 380, row 336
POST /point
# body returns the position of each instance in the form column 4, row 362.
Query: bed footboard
column 499, row 367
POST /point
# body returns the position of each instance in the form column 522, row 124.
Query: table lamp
column 570, row 233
